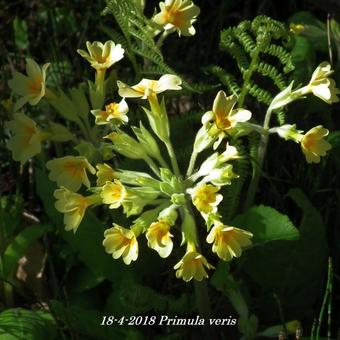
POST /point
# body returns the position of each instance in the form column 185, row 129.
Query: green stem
column 282, row 319
column 162, row 38
column 247, row 76
column 329, row 309
column 173, row 158
column 325, row 298
column 152, row 166
column 192, row 163
column 257, row 167
column 201, row 288
column 202, row 299
column 161, row 161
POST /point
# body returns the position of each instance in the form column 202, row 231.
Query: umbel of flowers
column 164, row 199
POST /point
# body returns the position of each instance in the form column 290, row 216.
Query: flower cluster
column 313, row 143
column 166, row 200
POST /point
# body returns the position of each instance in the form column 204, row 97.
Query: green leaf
column 291, row 269
column 334, row 139
column 17, row 248
column 19, row 323
column 45, row 189
column 10, row 215
column 82, row 279
column 20, row 33
column 266, row 224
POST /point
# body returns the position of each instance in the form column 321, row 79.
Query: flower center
column 222, row 121
column 112, row 109
column 75, row 169
column 35, row 86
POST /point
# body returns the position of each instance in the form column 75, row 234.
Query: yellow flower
column 223, row 113
column 113, row 193
column 192, row 266
column 102, row 56
column 147, row 87
column 159, row 238
column 121, row 242
column 228, row 241
column 31, row 87
column 73, row 206
column 223, row 116
column 205, row 198
column 179, row 15
column 313, row 144
column 113, row 111
column 26, row 140
column 70, row 171
column 322, row 86
column 221, row 176
column 104, row 174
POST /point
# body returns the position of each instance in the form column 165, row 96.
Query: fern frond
column 247, row 41
column 116, row 36
column 280, row 116
column 234, row 49
column 225, row 78
column 263, row 96
column 284, row 57
column 272, row 72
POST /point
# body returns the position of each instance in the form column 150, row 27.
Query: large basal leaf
column 19, row 245
column 266, row 224
column 23, row 324
column 292, row 270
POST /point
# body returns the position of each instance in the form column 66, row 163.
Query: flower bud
column 126, row 145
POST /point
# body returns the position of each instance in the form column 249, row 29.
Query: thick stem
column 173, row 158
column 257, row 168
column 192, row 163
column 202, row 299
column 161, row 161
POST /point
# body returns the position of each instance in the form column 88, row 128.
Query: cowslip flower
column 223, row 116
column 159, row 238
column 102, row 56
column 113, row 112
column 220, row 176
column 147, row 87
column 313, row 144
column 205, row 198
column 126, row 145
column 70, row 171
column 26, row 140
column 228, row 241
column 73, row 206
column 216, row 160
column 321, row 85
column 121, row 242
column 113, row 193
column 193, row 265
column 32, row 87
column 104, row 174
column 178, row 15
